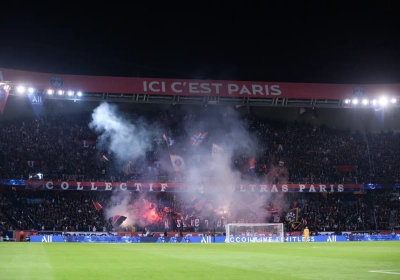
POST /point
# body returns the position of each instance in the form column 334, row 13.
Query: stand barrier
column 209, row 239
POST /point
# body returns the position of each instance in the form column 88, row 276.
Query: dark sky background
column 236, row 40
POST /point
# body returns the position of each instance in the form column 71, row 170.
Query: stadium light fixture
column 79, row 93
column 70, row 93
column 355, row 101
column 20, row 89
column 383, row 101
column 393, row 100
column 365, row 101
column 60, row 92
column 50, row 91
column 31, row 90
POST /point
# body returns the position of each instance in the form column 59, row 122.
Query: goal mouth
column 254, row 232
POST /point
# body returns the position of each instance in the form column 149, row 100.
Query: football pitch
column 358, row 260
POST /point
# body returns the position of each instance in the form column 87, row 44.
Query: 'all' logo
column 37, row 99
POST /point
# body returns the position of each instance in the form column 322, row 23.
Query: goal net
column 240, row 233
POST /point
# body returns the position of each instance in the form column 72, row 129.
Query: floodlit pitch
column 350, row 260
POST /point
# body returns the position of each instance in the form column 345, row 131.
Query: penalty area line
column 385, row 272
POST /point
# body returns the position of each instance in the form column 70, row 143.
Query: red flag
column 97, row 205
column 252, row 165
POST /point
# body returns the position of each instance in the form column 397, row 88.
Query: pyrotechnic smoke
column 226, row 128
column 120, row 202
column 124, row 139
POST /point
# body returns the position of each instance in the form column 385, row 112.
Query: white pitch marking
column 384, row 271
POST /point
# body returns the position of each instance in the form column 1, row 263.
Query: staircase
column 368, row 199
column 372, row 218
column 370, row 156
column 392, row 219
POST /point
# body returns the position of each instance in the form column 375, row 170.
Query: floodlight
column 383, row 101
column 21, row 89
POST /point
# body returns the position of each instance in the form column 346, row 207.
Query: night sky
column 237, row 40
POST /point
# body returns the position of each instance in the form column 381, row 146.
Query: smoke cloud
column 228, row 130
column 126, row 140
column 121, row 137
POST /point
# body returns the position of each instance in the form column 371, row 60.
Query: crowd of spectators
column 284, row 152
column 75, row 211
column 65, row 148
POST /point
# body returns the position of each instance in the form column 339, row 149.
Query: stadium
column 240, row 168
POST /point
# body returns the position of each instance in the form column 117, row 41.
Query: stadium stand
column 74, row 211
column 53, row 145
column 64, row 148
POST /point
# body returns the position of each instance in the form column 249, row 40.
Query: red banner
column 167, row 187
column 97, row 84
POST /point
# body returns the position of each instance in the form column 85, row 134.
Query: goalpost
column 241, row 233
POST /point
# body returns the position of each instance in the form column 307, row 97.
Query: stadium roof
column 185, row 91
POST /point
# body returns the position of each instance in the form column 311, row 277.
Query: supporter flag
column 104, row 158
column 380, row 115
column 252, row 165
column 97, row 205
column 169, row 140
column 217, row 151
column 4, row 91
column 177, row 162
column 36, row 99
column 198, row 138
column 292, row 216
column 216, row 154
column 117, row 220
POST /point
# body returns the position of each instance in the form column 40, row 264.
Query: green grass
column 250, row 261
